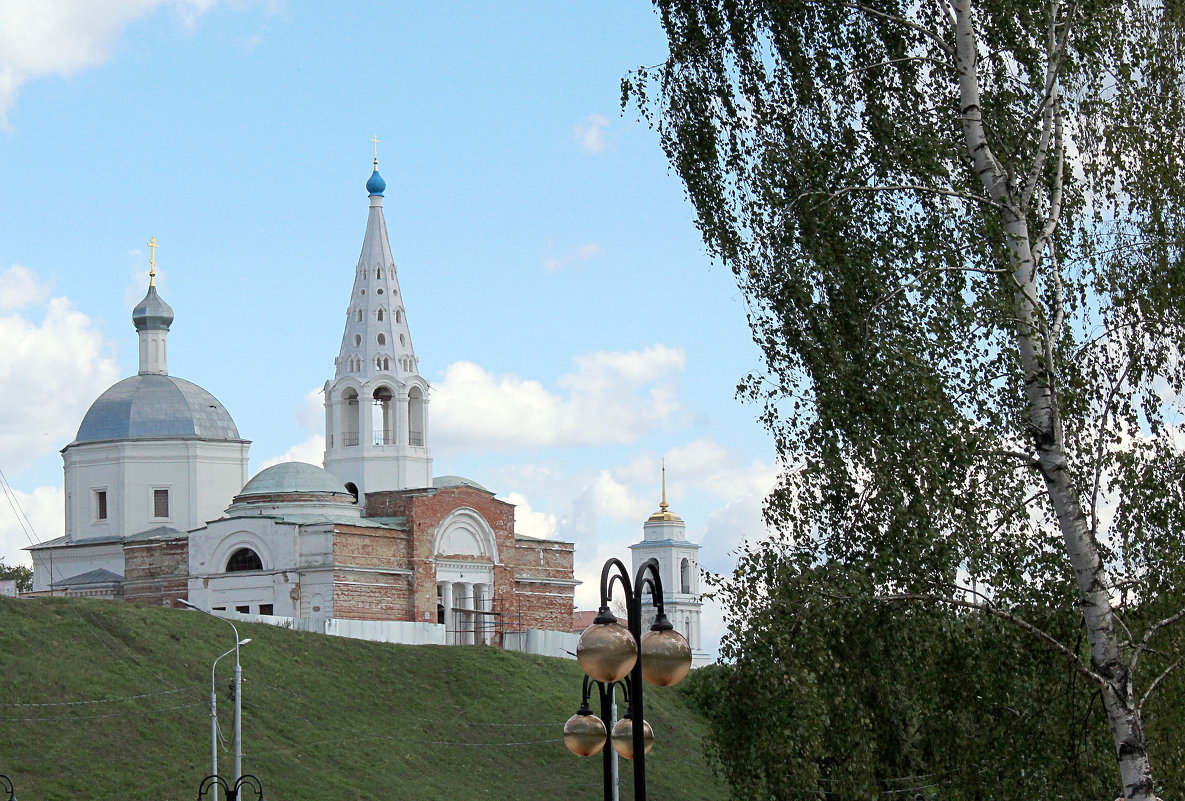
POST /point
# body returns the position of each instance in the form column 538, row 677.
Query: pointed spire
column 376, row 338
column 664, row 513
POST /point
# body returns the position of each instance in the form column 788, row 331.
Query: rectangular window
column 265, row 609
column 243, row 609
column 160, row 503
column 100, row 504
column 220, row 609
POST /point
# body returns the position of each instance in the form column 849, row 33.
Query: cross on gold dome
column 375, row 139
column 152, row 261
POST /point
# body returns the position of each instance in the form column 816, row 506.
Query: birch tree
column 958, row 224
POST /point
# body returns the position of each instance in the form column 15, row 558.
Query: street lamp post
column 214, row 713
column 613, row 655
column 212, row 783
column 238, row 686
column 6, row 785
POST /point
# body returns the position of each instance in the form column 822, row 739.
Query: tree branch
column 1152, row 631
column 1148, row 693
column 907, row 188
column 934, row 37
column 1019, row 622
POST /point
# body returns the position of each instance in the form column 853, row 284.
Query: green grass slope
column 110, row 700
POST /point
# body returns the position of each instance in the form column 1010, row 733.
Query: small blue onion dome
column 376, row 185
column 152, row 313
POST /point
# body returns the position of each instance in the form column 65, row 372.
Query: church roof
column 447, row 482
column 292, row 477
column 98, row 576
column 150, row 406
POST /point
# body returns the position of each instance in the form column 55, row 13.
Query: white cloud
column 311, row 417
column 558, row 262
column 311, row 451
column 45, row 510
column 61, row 37
column 611, row 397
column 20, row 287
column 50, row 370
column 591, row 133
column 528, row 522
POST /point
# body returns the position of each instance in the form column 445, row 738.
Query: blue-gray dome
column 152, row 313
column 292, row 477
column 152, row 406
column 376, row 185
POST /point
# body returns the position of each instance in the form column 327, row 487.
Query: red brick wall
column 156, row 572
column 525, row 605
column 370, row 596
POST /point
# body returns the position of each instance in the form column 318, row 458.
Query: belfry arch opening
column 350, row 417
column 415, row 417
column 384, row 401
column 685, row 577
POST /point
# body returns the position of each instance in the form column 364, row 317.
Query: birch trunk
column 1094, row 584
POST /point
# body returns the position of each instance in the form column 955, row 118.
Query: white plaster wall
column 67, row 562
column 297, row 570
column 201, row 477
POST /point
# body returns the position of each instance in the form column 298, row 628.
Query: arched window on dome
column 243, row 559
column 359, row 315
column 378, row 272
column 685, row 577
column 379, row 314
column 415, row 417
column 386, row 363
column 357, row 340
column 399, row 315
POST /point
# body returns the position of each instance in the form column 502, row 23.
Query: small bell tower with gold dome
column 664, row 537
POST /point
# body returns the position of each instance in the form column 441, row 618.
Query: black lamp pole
column 6, row 784
column 609, row 656
column 230, row 790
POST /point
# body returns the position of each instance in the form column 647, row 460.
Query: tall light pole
column 214, row 713
column 238, row 686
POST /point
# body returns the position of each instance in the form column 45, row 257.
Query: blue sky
column 558, row 294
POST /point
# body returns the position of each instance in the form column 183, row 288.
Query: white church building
column 159, row 506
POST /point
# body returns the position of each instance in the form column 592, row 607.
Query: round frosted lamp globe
column 607, row 652
column 666, row 657
column 584, row 734
column 623, row 738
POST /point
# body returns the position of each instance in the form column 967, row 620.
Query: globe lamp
column 584, row 733
column 623, row 738
column 666, row 655
column 606, row 650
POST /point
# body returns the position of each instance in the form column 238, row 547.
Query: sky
column 558, row 294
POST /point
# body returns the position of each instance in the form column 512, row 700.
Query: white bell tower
column 376, row 407
column 664, row 537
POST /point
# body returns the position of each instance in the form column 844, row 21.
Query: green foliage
column 22, row 574
column 323, row 717
column 825, row 148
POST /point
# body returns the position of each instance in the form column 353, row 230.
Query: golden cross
column 375, row 139
column 152, row 261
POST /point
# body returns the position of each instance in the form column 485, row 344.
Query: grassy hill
column 109, row 700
